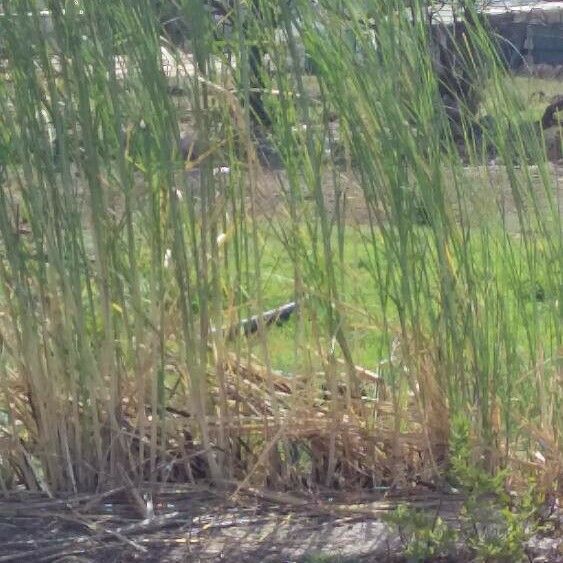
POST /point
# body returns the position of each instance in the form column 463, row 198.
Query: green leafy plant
column 425, row 537
column 493, row 524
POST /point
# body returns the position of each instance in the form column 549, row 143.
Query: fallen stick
column 249, row 326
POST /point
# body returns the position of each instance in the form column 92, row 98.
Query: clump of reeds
column 120, row 269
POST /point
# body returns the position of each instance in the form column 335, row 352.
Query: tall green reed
column 112, row 302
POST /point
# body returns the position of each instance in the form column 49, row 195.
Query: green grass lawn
column 371, row 317
column 536, row 93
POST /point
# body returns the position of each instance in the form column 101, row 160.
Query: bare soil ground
column 191, row 523
column 196, row 524
column 480, row 182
